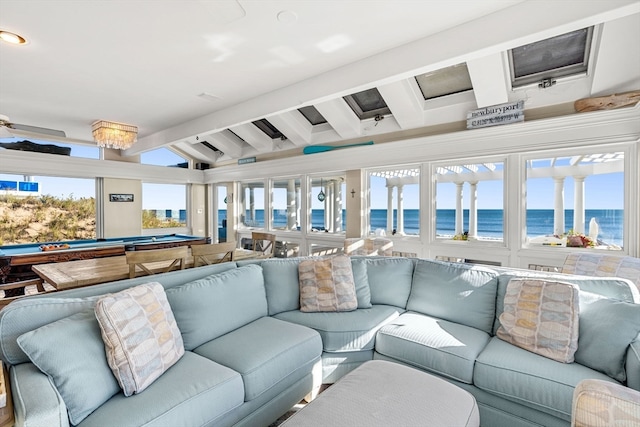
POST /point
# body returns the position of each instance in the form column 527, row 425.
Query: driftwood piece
column 607, row 102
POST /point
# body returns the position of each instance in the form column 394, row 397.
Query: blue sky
column 602, row 191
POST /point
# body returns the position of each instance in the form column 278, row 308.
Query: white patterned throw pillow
column 141, row 337
column 542, row 317
column 327, row 284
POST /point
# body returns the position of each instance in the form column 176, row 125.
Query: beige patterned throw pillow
column 327, row 284
column 541, row 317
column 141, row 337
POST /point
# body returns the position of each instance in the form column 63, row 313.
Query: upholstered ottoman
column 381, row 393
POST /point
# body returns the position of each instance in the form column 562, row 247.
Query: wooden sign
column 496, row 115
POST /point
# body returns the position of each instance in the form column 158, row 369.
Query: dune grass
column 50, row 219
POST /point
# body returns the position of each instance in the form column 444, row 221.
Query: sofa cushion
column 389, row 279
column 326, row 284
column 435, row 345
column 347, row 330
column 27, row 314
column 607, row 327
column 461, row 293
column 221, row 302
column 71, row 353
column 266, row 352
column 529, row 379
column 194, row 392
column 140, row 335
column 541, row 316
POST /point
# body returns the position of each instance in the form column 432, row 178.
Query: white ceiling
column 148, row 63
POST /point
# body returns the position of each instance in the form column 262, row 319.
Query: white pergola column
column 291, row 205
column 389, row 209
column 578, row 208
column 558, row 206
column 473, row 209
column 459, row 213
column 337, row 206
column 400, row 228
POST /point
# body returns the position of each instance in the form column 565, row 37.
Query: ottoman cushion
column 381, row 393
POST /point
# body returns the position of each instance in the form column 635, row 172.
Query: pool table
column 16, row 260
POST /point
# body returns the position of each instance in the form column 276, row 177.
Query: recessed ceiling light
column 12, row 38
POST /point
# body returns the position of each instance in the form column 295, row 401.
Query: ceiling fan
column 7, row 128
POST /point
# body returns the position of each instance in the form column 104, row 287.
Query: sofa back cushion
column 460, row 293
column 388, row 278
column 607, row 327
column 215, row 305
column 28, row 314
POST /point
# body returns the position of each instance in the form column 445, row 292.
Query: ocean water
column 490, row 221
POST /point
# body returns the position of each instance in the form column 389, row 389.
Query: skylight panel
column 367, row 104
column 446, row 81
column 272, row 132
column 560, row 56
column 312, row 115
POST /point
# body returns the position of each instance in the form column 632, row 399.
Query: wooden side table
column 6, row 412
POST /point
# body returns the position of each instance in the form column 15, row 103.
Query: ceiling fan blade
column 37, row 129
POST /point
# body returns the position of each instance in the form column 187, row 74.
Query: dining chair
column 150, row 261
column 264, row 244
column 212, row 254
column 16, row 290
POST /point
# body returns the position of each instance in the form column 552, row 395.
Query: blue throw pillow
column 71, row 353
column 607, row 327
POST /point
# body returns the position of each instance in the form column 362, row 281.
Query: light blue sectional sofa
column 251, row 353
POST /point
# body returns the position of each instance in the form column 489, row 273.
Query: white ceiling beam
column 613, row 63
column 227, row 143
column 294, row 126
column 254, row 137
column 405, row 104
column 341, row 117
column 489, row 80
column 196, row 151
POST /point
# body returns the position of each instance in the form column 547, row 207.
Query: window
column 164, row 205
column 328, row 212
column 43, row 209
column 446, row 81
column 576, row 195
column 563, row 55
column 394, row 201
column 221, row 217
column 57, row 148
column 367, row 104
column 163, row 157
column 470, row 201
column 252, row 204
column 312, row 115
column 285, row 204
column 270, row 130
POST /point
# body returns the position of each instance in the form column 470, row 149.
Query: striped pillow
column 327, row 284
column 542, row 317
column 141, row 337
